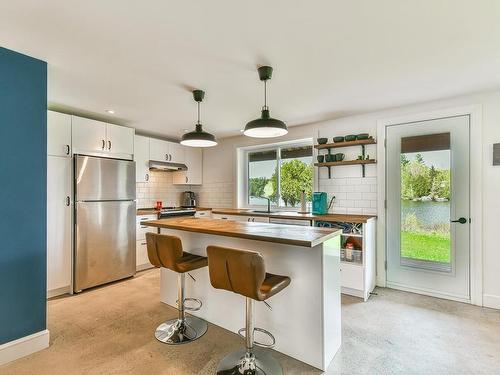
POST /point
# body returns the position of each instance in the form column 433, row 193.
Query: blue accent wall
column 23, row 197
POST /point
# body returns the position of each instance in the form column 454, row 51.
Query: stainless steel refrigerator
column 105, row 213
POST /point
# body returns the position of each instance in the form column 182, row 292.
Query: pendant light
column 265, row 126
column 198, row 137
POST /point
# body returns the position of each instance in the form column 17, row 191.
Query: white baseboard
column 490, row 300
column 58, row 291
column 24, row 346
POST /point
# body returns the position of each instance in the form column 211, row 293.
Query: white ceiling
column 331, row 58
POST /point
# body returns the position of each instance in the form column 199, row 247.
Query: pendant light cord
column 198, row 112
column 265, row 94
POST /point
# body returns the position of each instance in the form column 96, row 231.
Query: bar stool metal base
column 176, row 332
column 259, row 362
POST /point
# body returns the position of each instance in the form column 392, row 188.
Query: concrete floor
column 109, row 330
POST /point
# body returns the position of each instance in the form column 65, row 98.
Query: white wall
column 219, row 166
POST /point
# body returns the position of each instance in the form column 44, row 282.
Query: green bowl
column 321, row 158
column 338, row 139
column 329, row 158
column 322, row 141
column 363, row 136
column 339, row 157
column 350, row 138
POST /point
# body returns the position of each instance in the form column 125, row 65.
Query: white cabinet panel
column 58, row 134
column 141, row 250
column 351, row 276
column 194, row 161
column 120, row 139
column 141, row 158
column 59, row 232
column 88, row 135
column 176, row 152
column 158, row 150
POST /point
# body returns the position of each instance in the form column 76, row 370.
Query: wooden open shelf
column 345, row 162
column 361, row 142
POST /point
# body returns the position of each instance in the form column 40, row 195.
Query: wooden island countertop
column 276, row 233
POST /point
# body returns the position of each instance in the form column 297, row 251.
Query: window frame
column 243, row 198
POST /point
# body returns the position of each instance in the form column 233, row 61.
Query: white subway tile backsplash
column 362, row 188
column 369, row 196
column 354, row 196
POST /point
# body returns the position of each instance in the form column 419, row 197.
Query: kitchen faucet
column 268, row 203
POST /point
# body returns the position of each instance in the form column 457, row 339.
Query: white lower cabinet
column 141, row 249
column 252, row 219
column 59, row 224
column 203, row 214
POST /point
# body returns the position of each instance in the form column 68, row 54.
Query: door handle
column 147, row 176
column 68, row 201
column 67, row 150
column 461, row 220
column 103, row 144
column 109, row 145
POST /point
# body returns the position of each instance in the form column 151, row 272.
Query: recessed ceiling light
column 110, row 111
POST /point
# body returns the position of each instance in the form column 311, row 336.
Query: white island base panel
column 305, row 317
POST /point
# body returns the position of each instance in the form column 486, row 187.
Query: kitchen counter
column 305, row 317
column 276, row 233
column 296, row 215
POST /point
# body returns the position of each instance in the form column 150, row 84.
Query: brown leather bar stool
column 243, row 272
column 166, row 251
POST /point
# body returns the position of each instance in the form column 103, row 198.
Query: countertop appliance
column 105, row 214
column 319, row 203
column 175, row 211
column 188, row 199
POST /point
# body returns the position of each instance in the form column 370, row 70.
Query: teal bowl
column 363, row 136
column 338, row 139
column 350, row 137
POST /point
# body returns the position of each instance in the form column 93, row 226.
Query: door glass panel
column 425, row 202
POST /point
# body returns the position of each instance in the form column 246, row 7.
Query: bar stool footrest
column 257, row 343
column 191, row 308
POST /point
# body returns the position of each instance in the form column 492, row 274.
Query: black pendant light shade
column 265, row 126
column 198, row 137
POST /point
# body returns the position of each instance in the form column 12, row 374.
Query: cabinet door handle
column 109, row 145
column 169, row 157
column 103, row 144
column 143, row 243
column 147, row 177
column 253, row 219
column 67, row 149
column 186, row 179
column 166, row 157
column 68, row 201
column 248, row 219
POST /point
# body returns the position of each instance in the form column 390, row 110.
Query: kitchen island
column 305, row 317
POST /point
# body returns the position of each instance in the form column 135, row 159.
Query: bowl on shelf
column 321, row 158
column 322, row 141
column 363, row 136
column 338, row 139
column 350, row 137
column 329, row 158
column 339, row 157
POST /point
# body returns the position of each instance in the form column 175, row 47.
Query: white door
column 176, row 152
column 58, row 224
column 158, row 150
column 141, row 157
column 428, row 207
column 120, row 140
column 58, row 134
column 88, row 136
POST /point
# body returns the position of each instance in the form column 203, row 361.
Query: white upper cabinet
column 194, row 162
column 88, row 136
column 141, row 157
column 58, row 134
column 176, row 152
column 158, row 150
column 120, row 139
column 96, row 137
